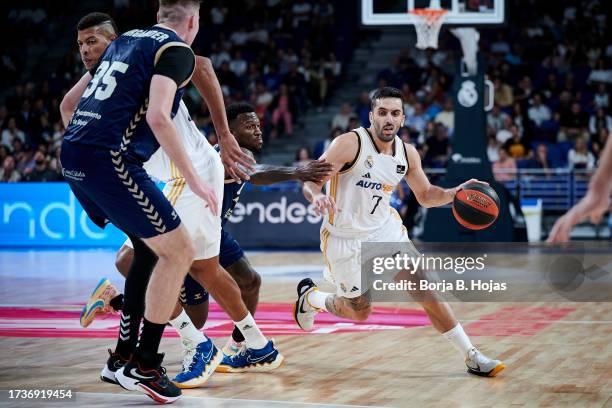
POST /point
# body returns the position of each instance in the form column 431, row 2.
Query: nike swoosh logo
column 258, row 359
column 135, row 374
column 302, row 305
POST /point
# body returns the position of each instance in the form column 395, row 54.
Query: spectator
column 323, row 145
column 447, row 116
column 525, row 89
column 262, row 98
column 493, row 149
column 283, row 109
column 227, row 78
column 505, row 133
column 516, row 146
column 573, row 123
column 363, row 109
column 238, row 65
column 599, row 120
column 599, row 142
column 579, row 157
column 417, row 122
column 353, row 123
column 342, row 118
column 505, row 168
column 302, row 157
column 601, row 100
column 9, row 174
column 540, row 160
column 11, row 133
column 437, row 148
column 4, row 152
column 496, row 119
column 41, row 171
column 503, row 93
column 538, row 112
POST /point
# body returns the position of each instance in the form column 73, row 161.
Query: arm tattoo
column 362, row 302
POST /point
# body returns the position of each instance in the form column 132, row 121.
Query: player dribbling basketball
column 368, row 165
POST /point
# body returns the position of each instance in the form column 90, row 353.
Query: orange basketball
column 476, row 206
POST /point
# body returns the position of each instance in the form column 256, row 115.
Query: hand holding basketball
column 476, row 205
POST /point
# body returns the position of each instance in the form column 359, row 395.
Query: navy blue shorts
column 230, row 250
column 192, row 293
column 113, row 187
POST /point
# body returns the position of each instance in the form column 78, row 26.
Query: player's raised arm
column 72, row 97
column 234, row 159
column 426, row 193
column 161, row 95
column 342, row 151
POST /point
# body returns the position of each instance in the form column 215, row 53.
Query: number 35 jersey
column 111, row 113
column 362, row 190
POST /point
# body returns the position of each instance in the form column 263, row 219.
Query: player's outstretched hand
column 236, row 162
column 592, row 206
column 315, row 171
column 206, row 193
column 324, row 204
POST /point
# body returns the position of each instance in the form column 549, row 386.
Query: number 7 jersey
column 111, row 113
column 362, row 190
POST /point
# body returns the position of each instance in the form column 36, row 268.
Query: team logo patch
column 401, row 169
column 369, row 162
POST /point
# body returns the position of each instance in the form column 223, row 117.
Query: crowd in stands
column 552, row 76
column 282, row 56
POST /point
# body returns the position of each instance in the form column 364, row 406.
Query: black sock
column 117, row 302
column 150, row 337
column 237, row 335
column 134, row 296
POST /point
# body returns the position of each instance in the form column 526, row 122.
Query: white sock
column 316, row 299
column 459, row 339
column 185, row 328
column 252, row 335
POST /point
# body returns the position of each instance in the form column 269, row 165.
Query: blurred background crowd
column 552, row 76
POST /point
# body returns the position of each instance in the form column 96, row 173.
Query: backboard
column 460, row 12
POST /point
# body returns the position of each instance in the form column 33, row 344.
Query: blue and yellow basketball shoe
column 98, row 302
column 204, row 360
column 252, row 360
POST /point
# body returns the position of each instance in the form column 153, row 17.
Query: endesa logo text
column 276, row 212
column 48, row 214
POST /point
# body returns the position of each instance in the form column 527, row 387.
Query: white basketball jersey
column 194, row 142
column 363, row 191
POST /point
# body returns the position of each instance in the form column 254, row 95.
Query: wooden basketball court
column 557, row 354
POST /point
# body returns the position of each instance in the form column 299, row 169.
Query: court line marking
column 78, row 307
column 244, row 400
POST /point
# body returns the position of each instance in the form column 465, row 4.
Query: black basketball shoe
column 114, row 363
column 151, row 379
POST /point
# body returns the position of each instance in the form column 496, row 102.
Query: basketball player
column 103, row 165
column 593, row 205
column 368, row 165
column 203, row 227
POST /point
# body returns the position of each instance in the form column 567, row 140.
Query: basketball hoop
column 427, row 22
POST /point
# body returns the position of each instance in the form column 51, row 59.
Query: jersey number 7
column 104, row 74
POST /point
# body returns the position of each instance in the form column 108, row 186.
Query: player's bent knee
column 123, row 260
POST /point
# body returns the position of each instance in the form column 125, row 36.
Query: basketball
column 476, row 206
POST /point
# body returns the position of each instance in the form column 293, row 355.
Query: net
column 428, row 22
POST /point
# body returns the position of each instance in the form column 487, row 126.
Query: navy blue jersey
column 231, row 195
column 111, row 113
